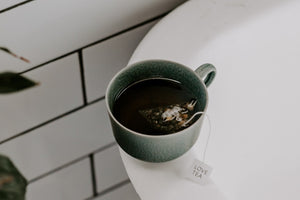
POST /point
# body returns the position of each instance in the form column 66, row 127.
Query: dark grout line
column 42, row 124
column 14, row 6
column 98, row 41
column 93, row 174
column 96, row 100
column 71, row 163
column 56, row 169
column 51, row 120
column 82, row 75
column 49, row 61
column 127, row 29
column 110, row 189
column 114, row 187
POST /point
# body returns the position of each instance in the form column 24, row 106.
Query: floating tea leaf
column 170, row 118
column 12, row 183
column 13, row 82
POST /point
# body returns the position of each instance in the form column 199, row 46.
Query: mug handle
column 207, row 73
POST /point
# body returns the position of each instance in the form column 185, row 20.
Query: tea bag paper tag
column 198, row 172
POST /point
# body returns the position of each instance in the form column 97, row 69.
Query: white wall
column 58, row 133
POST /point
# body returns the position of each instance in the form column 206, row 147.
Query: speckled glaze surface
column 163, row 147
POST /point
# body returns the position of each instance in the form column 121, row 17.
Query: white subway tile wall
column 62, row 141
column 43, row 30
column 8, row 4
column 58, row 133
column 72, row 182
column 125, row 192
column 110, row 172
column 24, row 110
column 98, row 58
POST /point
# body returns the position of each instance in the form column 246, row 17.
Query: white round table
column 254, row 101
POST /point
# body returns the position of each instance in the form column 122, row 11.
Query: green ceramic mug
column 159, row 148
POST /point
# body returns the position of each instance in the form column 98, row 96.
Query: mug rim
column 146, row 135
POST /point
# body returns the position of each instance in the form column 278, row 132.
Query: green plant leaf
column 12, row 183
column 5, row 49
column 13, row 54
column 13, row 82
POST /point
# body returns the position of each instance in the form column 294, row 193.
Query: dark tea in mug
column 156, row 106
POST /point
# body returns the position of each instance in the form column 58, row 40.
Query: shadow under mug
column 159, row 148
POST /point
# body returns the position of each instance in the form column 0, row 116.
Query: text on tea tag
column 199, row 172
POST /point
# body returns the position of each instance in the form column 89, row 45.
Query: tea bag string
column 209, row 129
